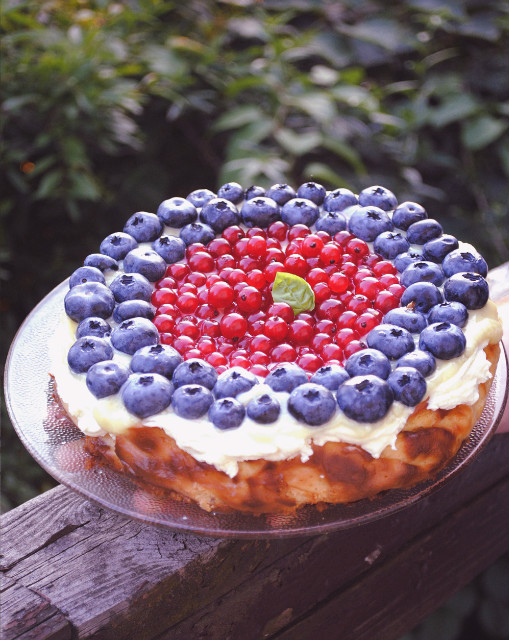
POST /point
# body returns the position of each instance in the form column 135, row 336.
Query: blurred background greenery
column 110, row 107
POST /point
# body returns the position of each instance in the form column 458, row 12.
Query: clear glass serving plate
column 57, row 445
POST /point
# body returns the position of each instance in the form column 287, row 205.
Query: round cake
column 259, row 351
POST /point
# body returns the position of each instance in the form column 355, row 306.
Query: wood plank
column 26, row 615
column 139, row 581
column 423, row 576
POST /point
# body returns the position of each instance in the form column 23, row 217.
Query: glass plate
column 56, row 444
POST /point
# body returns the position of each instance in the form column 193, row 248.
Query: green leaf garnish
column 294, row 291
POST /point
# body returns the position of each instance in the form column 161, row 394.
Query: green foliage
column 109, row 107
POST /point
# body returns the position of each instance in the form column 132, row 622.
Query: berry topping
column 219, row 213
column 146, row 394
column 158, row 358
column 331, row 222
column 453, row 312
column 311, row 403
column 233, row 382
column 133, row 334
column 408, row 318
column 106, row 378
column 402, row 261
column 407, row 213
column 143, row 226
column 87, row 351
column 423, row 231
column 281, row 193
column 101, row 262
column 408, row 385
column 330, row 376
column 131, row 286
column 286, row 377
column 133, row 309
column 378, row 197
column 339, row 200
column 264, row 409
column 118, row 245
column 89, row 299
column 195, row 371
column 422, row 271
column 254, row 192
column 312, row 191
column 226, row 413
column 391, row 340
column 200, row 197
column 170, row 248
column 443, row 339
column 437, row 249
column 146, row 262
column 422, row 296
column 459, row 261
column 197, row 232
column 231, row 191
column 97, row 327
column 368, row 362
column 423, row 361
column 86, row 274
column 368, row 222
column 177, row 212
column 300, row 211
column 365, row 398
column 471, row 289
column 389, row 244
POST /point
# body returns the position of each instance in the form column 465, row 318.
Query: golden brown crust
column 335, row 473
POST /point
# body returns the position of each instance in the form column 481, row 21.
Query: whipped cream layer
column 454, row 382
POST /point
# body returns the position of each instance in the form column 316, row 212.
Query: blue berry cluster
column 442, row 283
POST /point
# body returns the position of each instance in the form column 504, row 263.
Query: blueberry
column 219, row 213
column 133, row 334
column 453, row 312
column 105, row 378
column 254, row 191
column 200, row 197
column 407, row 213
column 231, row 191
column 365, row 398
column 157, row 358
column 408, row 386
column 97, row 327
column 389, row 244
column 177, row 212
column 264, row 409
column 368, row 362
column 471, row 289
column 170, row 248
column 195, row 371
column 422, row 271
column 311, row 403
column 233, row 382
column 87, row 351
column 281, row 193
column 423, row 361
column 143, row 226
column 339, row 199
column 133, row 309
column 368, row 222
column 312, row 191
column 101, row 262
column 402, row 261
column 285, row 377
column 86, row 274
column 260, row 212
column 192, row 401
column 89, row 299
column 436, row 249
column 422, row 295
column 378, row 197
column 443, row 339
column 118, row 245
column 146, row 394
column 391, row 340
column 459, row 261
column 131, row 286
column 197, row 232
column 330, row 376
column 226, row 413
column 408, row 318
column 299, row 211
column 331, row 222
column 423, row 231
column 147, row 262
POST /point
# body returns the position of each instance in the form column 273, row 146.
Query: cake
column 258, row 351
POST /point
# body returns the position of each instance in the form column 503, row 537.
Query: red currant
column 221, row 294
column 233, row 326
column 249, row 299
column 277, row 230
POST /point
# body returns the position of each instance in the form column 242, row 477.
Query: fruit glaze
column 254, row 324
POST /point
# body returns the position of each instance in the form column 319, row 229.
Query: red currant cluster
column 217, row 304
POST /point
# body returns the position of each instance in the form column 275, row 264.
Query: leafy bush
column 110, row 107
